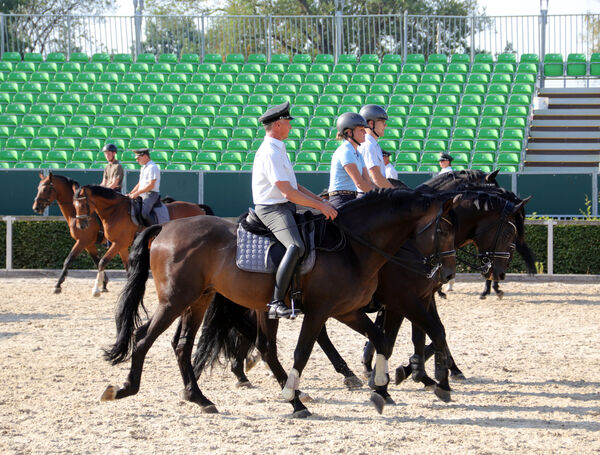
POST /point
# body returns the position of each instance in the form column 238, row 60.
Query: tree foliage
column 280, row 29
column 49, row 25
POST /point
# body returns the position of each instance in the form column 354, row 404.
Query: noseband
column 488, row 257
column 87, row 207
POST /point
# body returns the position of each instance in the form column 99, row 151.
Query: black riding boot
column 283, row 278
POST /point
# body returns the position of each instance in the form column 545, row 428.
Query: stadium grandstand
column 523, row 113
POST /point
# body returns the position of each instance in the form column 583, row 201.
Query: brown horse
column 60, row 189
column 192, row 260
column 114, row 210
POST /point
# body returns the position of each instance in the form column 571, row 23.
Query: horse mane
column 397, row 196
column 66, row 180
column 447, row 181
column 100, row 191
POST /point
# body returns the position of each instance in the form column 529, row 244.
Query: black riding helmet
column 372, row 112
column 350, row 120
column 110, row 148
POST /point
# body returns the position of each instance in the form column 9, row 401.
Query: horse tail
column 224, row 329
column 206, row 209
column 127, row 317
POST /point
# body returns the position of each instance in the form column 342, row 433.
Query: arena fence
column 334, row 34
column 549, row 224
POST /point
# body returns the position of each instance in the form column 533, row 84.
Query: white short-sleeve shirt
column 371, row 153
column 391, row 172
column 446, row 169
column 148, row 173
column 271, row 164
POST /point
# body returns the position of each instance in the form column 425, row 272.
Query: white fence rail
column 10, row 220
column 334, row 34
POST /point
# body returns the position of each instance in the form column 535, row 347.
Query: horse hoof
column 251, row 361
column 304, row 397
column 353, row 383
column 378, row 401
column 367, row 372
column 210, row 409
column 500, row 294
column 400, row 375
column 109, row 394
column 458, row 376
column 244, row 385
column 389, row 400
column 301, row 414
column 57, row 290
column 482, row 297
column 442, row 394
column 104, row 290
column 96, row 293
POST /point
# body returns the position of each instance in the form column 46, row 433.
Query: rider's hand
column 328, row 210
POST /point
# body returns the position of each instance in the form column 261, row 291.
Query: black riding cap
column 279, row 112
column 445, row 157
column 139, row 152
column 385, row 153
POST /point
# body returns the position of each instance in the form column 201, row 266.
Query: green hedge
column 45, row 245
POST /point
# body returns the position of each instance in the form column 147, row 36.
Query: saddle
column 159, row 213
column 259, row 251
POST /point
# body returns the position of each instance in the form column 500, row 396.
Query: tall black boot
column 283, row 278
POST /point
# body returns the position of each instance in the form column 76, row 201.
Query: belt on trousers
column 342, row 193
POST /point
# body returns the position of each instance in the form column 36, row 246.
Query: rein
column 432, row 260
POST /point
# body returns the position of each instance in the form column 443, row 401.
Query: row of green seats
column 82, row 57
column 576, row 65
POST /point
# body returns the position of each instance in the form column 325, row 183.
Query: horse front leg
column 93, row 252
column 266, row 343
column 186, row 331
column 486, row 289
column 75, row 251
column 497, row 290
column 339, row 364
column 110, row 253
column 360, row 322
column 369, row 349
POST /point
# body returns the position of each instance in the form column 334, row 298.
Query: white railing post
column 551, row 224
column 9, row 242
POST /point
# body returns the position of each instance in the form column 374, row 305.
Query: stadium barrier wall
column 229, row 193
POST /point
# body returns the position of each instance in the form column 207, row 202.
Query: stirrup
column 278, row 309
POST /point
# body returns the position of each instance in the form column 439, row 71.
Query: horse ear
column 75, row 187
column 491, row 178
column 456, row 200
column 522, row 203
column 41, row 176
column 448, row 204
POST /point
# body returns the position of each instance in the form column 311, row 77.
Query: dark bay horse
column 486, row 220
column 61, row 189
column 193, row 259
column 114, row 209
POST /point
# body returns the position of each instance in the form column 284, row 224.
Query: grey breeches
column 279, row 218
column 149, row 199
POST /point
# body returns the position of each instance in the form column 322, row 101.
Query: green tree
column 50, row 25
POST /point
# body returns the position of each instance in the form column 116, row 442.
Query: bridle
column 46, row 202
column 488, row 257
column 433, row 261
column 87, row 216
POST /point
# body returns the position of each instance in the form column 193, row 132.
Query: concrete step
column 568, row 148
column 555, row 124
column 584, row 114
column 564, row 136
column 573, row 92
column 574, row 103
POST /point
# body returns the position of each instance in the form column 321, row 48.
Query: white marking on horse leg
column 98, row 284
column 291, row 385
column 381, row 370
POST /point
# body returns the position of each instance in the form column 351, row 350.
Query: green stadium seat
column 553, row 65
column 529, row 68
column 510, row 146
column 392, row 58
column 509, row 158
column 215, row 59
column 348, row 58
column 595, row 64
column 519, row 100
column 450, row 89
column 523, row 89
column 455, row 78
column 412, row 68
column 441, row 134
column 499, row 89
column 513, row 133
column 457, row 68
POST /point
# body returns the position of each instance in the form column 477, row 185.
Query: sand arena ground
column 531, row 361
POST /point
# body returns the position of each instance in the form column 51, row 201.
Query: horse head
column 81, row 202
column 497, row 238
column 435, row 238
column 46, row 194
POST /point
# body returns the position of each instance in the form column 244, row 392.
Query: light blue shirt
column 339, row 180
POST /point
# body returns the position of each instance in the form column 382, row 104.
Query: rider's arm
column 299, row 197
column 309, row 193
column 362, row 183
column 377, row 178
column 145, row 189
column 118, row 179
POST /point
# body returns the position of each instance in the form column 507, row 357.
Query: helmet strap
column 350, row 137
column 372, row 128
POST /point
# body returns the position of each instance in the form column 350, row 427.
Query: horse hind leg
column 351, row 381
column 499, row 292
column 486, row 290
column 190, row 323
column 144, row 338
column 237, row 363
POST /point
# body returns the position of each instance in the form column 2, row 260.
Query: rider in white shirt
column 390, row 170
column 376, row 118
column 148, row 186
column 445, row 160
column 275, row 193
